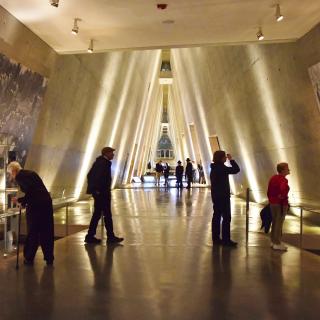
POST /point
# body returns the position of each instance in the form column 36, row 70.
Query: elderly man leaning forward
column 278, row 190
column 39, row 213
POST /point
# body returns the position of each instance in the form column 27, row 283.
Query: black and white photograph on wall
column 21, row 97
column 314, row 73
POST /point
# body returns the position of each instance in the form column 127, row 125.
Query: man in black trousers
column 220, row 193
column 99, row 185
column 189, row 173
column 39, row 213
column 179, row 174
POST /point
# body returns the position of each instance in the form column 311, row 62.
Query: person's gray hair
column 14, row 165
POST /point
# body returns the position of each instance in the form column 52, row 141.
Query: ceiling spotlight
column 90, row 49
column 279, row 16
column 54, row 3
column 260, row 35
column 75, row 28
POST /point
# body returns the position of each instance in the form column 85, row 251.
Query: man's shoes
column 28, row 262
column 217, row 242
column 92, row 240
column 229, row 243
column 49, row 262
column 114, row 239
column 280, row 247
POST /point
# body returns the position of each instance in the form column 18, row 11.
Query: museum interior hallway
column 166, row 268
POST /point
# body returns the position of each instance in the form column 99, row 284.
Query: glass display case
column 8, row 191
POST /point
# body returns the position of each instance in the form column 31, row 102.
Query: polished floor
column 166, row 268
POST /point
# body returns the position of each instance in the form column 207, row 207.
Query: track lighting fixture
column 75, row 28
column 260, row 35
column 279, row 16
column 90, row 49
column 54, row 3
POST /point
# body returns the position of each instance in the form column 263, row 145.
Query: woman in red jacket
column 278, row 190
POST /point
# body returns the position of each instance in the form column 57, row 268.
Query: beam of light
column 177, row 69
column 123, row 99
column 271, row 114
column 151, row 132
column 174, row 125
column 98, row 118
column 200, row 118
column 178, row 116
column 125, row 130
column 197, row 107
column 140, row 122
column 246, row 154
column 142, row 119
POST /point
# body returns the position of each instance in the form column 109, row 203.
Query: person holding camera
column 220, row 193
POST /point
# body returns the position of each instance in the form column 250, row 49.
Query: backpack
column 90, row 177
column 266, row 218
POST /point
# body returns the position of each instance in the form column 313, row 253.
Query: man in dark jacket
column 159, row 171
column 220, row 193
column 166, row 173
column 39, row 213
column 99, row 186
column 179, row 174
column 189, row 173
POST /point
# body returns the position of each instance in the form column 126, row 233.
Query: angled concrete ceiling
column 129, row 24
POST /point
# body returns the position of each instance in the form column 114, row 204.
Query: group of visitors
column 162, row 169
column 39, row 209
column 189, row 172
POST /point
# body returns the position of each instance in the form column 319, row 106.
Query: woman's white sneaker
column 280, row 247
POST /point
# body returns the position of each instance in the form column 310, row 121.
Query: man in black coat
column 99, row 186
column 220, row 193
column 189, row 173
column 179, row 174
column 39, row 213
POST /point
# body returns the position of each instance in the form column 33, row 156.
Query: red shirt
column 278, row 190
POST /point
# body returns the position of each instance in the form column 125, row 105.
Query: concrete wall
column 259, row 101
column 92, row 101
column 19, row 43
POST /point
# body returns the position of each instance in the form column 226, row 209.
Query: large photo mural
column 21, row 97
column 314, row 73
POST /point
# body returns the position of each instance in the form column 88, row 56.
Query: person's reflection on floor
column 39, row 291
column 188, row 203
column 179, row 202
column 101, row 268
column 221, row 282
column 275, row 286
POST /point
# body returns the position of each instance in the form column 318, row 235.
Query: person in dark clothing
column 220, row 193
column 166, row 173
column 189, row 173
column 99, row 186
column 39, row 213
column 159, row 171
column 179, row 174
